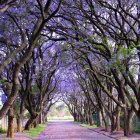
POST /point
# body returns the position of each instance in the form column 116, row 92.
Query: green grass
column 34, row 132
column 2, row 131
column 86, row 125
column 137, row 130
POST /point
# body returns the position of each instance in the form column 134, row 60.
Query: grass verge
column 86, row 125
column 137, row 130
column 2, row 131
column 34, row 132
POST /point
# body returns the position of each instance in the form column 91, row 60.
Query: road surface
column 69, row 131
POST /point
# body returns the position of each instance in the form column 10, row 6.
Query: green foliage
column 34, row 132
column 119, row 60
column 35, row 89
column 2, row 131
column 2, row 81
column 27, row 115
column 137, row 130
column 125, row 51
column 100, row 4
column 92, row 36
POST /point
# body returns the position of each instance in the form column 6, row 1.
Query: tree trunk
column 80, row 119
column 90, row 120
column 10, row 131
column 126, row 132
column 118, row 119
column 104, row 119
column 130, row 118
column 112, row 118
column 86, row 118
column 75, row 117
column 30, row 123
column 45, row 119
column 90, row 117
column 40, row 118
column 19, row 124
column 100, row 119
column 35, row 123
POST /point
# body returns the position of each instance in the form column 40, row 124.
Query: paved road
column 69, row 131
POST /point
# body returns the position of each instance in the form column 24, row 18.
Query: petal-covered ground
column 17, row 136
column 62, row 130
column 69, row 131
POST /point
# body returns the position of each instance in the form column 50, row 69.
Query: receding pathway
column 69, row 131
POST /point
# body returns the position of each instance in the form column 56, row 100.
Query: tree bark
column 40, row 118
column 35, row 123
column 75, row 117
column 112, row 118
column 118, row 119
column 90, row 119
column 130, row 118
column 19, row 123
column 29, row 123
column 126, row 132
column 10, row 131
column 100, row 119
column 104, row 119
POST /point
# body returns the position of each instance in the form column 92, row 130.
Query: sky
column 0, row 95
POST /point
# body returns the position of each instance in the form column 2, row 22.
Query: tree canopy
column 84, row 52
